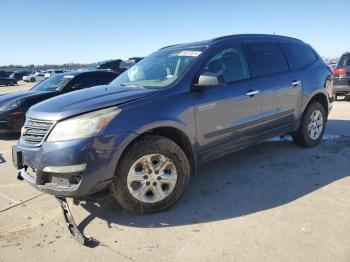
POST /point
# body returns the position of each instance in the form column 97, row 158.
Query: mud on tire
column 145, row 146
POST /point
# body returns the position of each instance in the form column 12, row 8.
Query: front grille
column 35, row 131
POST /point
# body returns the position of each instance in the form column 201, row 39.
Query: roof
column 234, row 37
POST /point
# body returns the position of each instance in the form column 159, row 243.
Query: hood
column 7, row 98
column 85, row 100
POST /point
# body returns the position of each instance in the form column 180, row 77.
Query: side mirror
column 209, row 80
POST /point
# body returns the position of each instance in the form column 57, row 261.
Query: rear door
column 281, row 88
column 230, row 113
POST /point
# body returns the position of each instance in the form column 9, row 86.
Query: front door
column 231, row 112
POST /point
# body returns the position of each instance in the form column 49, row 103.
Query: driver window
column 230, row 63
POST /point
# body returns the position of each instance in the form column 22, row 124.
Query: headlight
column 86, row 125
column 12, row 105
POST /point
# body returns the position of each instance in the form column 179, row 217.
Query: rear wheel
column 152, row 175
column 312, row 126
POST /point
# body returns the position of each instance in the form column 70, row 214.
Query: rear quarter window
column 298, row 56
column 265, row 59
column 104, row 78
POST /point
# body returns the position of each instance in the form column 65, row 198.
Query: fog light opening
column 77, row 178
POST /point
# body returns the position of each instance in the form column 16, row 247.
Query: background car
column 13, row 106
column 118, row 65
column 36, row 77
column 5, row 73
column 7, row 81
column 19, row 75
column 52, row 72
column 341, row 78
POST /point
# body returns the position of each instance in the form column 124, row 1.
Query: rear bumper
column 100, row 154
column 341, row 89
column 341, row 85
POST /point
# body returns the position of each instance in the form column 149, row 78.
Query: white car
column 52, row 72
column 36, row 77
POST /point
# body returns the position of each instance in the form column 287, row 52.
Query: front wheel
column 152, row 175
column 312, row 126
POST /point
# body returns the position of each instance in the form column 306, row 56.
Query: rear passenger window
column 83, row 81
column 298, row 56
column 230, row 62
column 104, row 78
column 266, row 59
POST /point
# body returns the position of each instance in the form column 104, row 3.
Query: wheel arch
column 318, row 97
column 174, row 133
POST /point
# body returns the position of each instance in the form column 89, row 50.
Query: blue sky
column 38, row 32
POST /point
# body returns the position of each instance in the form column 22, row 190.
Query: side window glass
column 230, row 63
column 265, row 59
column 104, row 78
column 83, row 81
column 298, row 56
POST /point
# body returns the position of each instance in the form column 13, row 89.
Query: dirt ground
column 270, row 202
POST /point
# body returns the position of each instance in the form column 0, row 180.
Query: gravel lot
column 271, row 202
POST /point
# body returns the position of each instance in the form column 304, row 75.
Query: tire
column 32, row 79
column 154, row 148
column 303, row 137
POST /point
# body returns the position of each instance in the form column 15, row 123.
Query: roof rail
column 253, row 35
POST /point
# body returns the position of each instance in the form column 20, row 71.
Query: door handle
column 296, row 83
column 252, row 93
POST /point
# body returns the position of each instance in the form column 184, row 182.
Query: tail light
column 339, row 72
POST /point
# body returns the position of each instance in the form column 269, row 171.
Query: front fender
column 166, row 123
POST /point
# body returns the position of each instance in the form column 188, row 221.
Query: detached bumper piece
column 72, row 227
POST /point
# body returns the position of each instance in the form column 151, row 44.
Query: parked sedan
column 6, row 81
column 13, row 106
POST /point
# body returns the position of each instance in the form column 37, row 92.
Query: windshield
column 54, row 83
column 160, row 69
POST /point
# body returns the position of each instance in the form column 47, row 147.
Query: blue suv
column 143, row 135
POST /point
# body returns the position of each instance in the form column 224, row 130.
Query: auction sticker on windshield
column 189, row 53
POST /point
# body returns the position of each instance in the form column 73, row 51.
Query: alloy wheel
column 152, row 178
column 315, row 125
